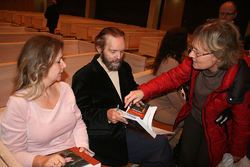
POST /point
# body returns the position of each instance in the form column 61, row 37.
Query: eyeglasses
column 197, row 53
column 227, row 13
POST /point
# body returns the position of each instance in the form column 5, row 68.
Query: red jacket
column 217, row 142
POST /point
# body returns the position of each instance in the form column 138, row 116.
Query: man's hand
column 133, row 97
column 115, row 116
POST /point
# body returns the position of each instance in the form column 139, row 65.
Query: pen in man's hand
column 117, row 109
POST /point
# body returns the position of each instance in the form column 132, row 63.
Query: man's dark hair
column 100, row 39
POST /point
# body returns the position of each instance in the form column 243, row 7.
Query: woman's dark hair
column 173, row 45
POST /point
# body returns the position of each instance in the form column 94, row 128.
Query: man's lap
column 145, row 149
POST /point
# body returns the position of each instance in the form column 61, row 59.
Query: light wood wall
column 172, row 14
column 24, row 5
column 154, row 13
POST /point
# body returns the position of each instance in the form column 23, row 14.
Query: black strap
column 223, row 118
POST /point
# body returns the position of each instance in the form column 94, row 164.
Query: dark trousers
column 147, row 151
column 193, row 152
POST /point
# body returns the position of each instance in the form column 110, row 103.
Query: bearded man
column 100, row 87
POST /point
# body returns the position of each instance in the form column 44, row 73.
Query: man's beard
column 109, row 64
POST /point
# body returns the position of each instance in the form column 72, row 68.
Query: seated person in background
column 170, row 55
column 41, row 116
column 216, row 67
column 99, row 87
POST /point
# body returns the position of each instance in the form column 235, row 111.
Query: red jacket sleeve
column 168, row 80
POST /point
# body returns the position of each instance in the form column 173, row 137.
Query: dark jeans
column 193, row 151
column 147, row 151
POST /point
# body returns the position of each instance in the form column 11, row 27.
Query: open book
column 79, row 159
column 141, row 118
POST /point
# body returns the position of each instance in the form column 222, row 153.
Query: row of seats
column 87, row 29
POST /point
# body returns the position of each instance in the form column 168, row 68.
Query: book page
column 146, row 122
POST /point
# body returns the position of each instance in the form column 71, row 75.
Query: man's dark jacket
column 95, row 94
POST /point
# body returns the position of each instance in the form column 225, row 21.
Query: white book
column 145, row 121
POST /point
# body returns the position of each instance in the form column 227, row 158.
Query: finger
column 56, row 162
column 120, row 117
column 60, row 160
column 68, row 159
column 141, row 103
column 86, row 151
column 124, row 120
column 120, row 113
column 60, row 164
column 82, row 149
column 134, row 97
column 128, row 100
column 134, row 100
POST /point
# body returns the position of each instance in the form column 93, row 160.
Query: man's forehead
column 228, row 6
column 114, row 42
column 111, row 37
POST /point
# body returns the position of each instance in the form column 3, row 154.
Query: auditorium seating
column 150, row 45
column 7, row 159
column 79, row 27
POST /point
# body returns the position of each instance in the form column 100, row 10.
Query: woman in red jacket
column 218, row 78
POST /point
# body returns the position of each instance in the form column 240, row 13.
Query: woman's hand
column 133, row 97
column 54, row 160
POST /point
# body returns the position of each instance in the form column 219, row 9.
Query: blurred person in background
column 170, row 55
